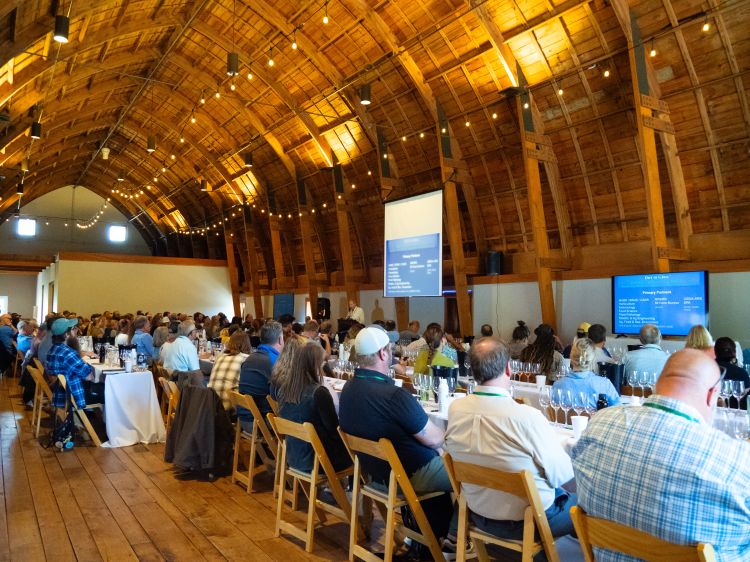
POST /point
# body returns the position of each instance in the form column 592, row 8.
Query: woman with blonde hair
column 583, row 378
column 700, row 338
column 225, row 375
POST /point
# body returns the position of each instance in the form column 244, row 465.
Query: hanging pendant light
column 365, row 94
column 151, row 144
column 36, row 130
column 248, row 160
column 25, row 165
column 62, row 26
column 19, row 188
column 233, row 64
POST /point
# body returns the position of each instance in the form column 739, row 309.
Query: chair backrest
column 274, row 404
column 520, row 484
column 381, row 449
column 601, row 533
column 246, row 401
column 39, row 379
column 166, row 388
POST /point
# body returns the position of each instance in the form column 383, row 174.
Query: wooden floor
column 124, row 504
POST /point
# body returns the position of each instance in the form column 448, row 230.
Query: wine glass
column 633, row 382
column 741, row 426
column 579, row 403
column 726, row 392
column 544, row 400
column 435, row 385
column 467, row 365
column 566, row 403
column 555, row 401
column 451, row 385
column 738, row 390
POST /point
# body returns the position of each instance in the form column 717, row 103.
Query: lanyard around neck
column 501, row 394
column 670, row 411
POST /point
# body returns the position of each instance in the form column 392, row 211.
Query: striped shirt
column 661, row 469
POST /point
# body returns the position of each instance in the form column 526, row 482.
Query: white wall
column 502, row 305
column 21, row 292
column 87, row 287
column 729, row 305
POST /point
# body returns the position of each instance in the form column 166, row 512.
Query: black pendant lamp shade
column 62, row 26
column 233, row 64
column 36, row 130
column 248, row 160
column 150, row 144
column 19, row 188
column 365, row 94
column 204, row 185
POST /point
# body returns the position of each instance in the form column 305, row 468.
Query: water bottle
column 443, row 396
column 102, row 352
column 602, row 402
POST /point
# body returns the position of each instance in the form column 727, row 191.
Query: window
column 26, row 227
column 117, row 233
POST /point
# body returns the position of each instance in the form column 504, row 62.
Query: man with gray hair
column 650, row 357
column 491, row 429
column 182, row 355
column 142, row 339
column 255, row 373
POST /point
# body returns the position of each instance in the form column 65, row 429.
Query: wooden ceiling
column 135, row 68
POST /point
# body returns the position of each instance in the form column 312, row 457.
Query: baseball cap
column 584, row 327
column 370, row 340
column 61, row 325
column 165, row 320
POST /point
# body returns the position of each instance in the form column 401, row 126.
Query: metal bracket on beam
column 676, row 254
column 655, row 104
column 658, row 124
column 556, row 263
column 544, row 154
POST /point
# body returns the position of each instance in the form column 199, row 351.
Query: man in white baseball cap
column 372, row 406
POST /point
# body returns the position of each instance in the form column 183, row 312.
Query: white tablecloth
column 131, row 410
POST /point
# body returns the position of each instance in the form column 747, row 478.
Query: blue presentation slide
column 412, row 266
column 673, row 301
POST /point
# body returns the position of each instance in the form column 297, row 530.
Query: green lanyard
column 671, row 411
column 381, row 378
column 480, row 393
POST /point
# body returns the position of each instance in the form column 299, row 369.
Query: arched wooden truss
column 505, row 104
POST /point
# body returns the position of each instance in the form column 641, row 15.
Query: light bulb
column 652, row 53
column 325, row 19
column 421, row 135
column 369, row 172
column 468, row 124
column 494, row 115
column 706, row 26
column 526, row 105
column 294, row 45
column 560, row 92
column 203, row 100
column 443, row 130
column 249, row 75
column 192, row 118
column 270, row 62
column 182, row 139
column 217, row 95
column 173, row 157
column 403, row 139
column 231, row 86
column 606, row 73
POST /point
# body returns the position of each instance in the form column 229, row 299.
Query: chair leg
column 528, row 536
column 251, row 463
column 482, row 551
column 462, row 525
column 280, row 500
column 311, row 509
column 388, row 538
column 236, row 458
column 355, row 512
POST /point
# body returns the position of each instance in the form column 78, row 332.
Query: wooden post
column 278, row 254
column 234, row 281
column 402, row 313
column 345, row 243
column 307, row 233
column 252, row 264
column 455, row 241
column 536, row 211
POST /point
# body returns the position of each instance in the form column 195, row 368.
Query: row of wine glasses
column 566, row 400
column 344, row 369
column 642, row 380
column 425, row 384
column 524, row 371
column 732, row 389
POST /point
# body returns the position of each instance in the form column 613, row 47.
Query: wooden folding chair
column 17, row 358
column 519, row 484
column 306, row 432
column 258, row 436
column 601, row 533
column 170, row 399
column 81, row 413
column 41, row 390
column 390, row 498
column 274, row 405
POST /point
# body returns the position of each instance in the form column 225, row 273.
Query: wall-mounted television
column 675, row 302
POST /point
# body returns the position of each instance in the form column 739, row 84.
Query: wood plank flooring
column 124, row 504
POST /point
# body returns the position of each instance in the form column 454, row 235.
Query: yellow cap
column 584, row 327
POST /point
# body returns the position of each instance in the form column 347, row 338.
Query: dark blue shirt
column 372, row 406
column 255, row 379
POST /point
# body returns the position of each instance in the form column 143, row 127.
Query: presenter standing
column 356, row 312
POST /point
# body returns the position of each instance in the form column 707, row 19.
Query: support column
column 234, row 281
column 252, row 263
column 307, row 233
column 532, row 156
column 345, row 244
column 402, row 313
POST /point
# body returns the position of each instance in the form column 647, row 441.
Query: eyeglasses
column 722, row 374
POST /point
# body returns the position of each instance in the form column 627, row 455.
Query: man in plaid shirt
column 63, row 360
column 662, row 469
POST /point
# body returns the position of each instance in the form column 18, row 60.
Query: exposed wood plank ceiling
column 135, row 68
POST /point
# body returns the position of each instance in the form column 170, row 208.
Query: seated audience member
column 225, row 375
column 371, row 406
column 26, row 329
column 412, row 333
column 181, row 354
column 7, row 337
column 650, row 357
column 393, row 335
column 726, row 357
column 63, row 360
column 172, row 331
column 255, row 373
column 303, row 398
column 327, row 335
column 297, row 329
column 583, row 378
column 543, row 352
column 351, row 336
column 485, row 331
column 286, row 321
column 46, row 343
column 598, row 336
column 142, row 339
column 431, row 355
column 664, row 470
column 285, row 363
column 160, row 336
column 489, row 428
column 247, row 325
column 520, row 339
column 700, row 338
column 581, row 332
column 123, row 332
column 27, row 381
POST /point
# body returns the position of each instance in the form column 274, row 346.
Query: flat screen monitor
column 675, row 302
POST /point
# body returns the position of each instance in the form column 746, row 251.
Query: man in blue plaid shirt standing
column 663, row 469
column 64, row 360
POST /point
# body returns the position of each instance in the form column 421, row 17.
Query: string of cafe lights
column 85, row 225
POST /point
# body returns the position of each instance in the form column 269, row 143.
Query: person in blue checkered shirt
column 663, row 469
column 64, row 360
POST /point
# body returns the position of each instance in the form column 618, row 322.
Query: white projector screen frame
column 414, row 221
